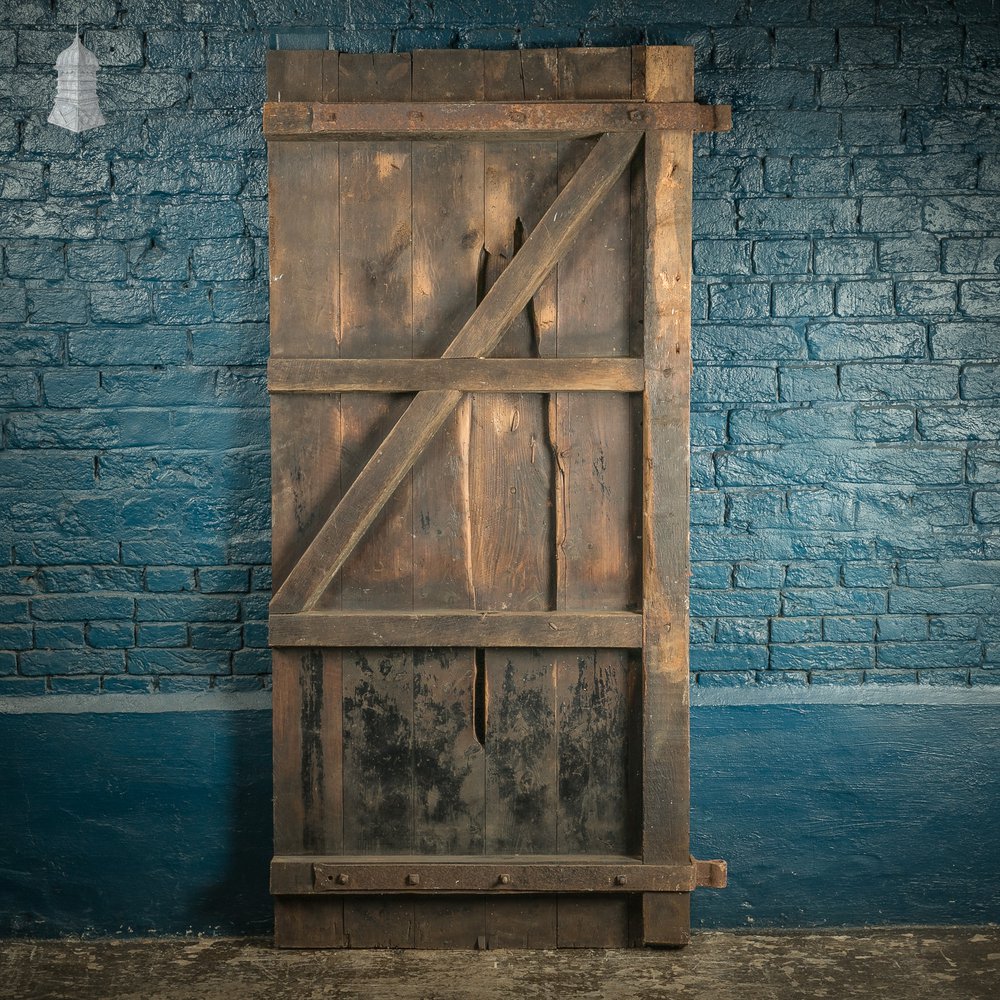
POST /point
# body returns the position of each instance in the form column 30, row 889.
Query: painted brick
column 37, row 662
column 759, row 426
column 979, row 298
column 758, row 575
column 32, row 259
column 252, row 661
column 865, row 298
column 781, row 256
column 742, row 631
column 971, row 255
column 812, row 574
column 708, row 427
column 722, row 257
column 120, row 305
column 924, row 655
column 981, row 601
column 216, row 636
column 888, row 88
column 739, row 301
column 783, row 678
column 983, row 464
column 849, row 629
column 925, row 298
column 186, row 607
column 181, row 49
column 18, row 388
column 725, row 342
column 803, row 299
column 964, row 340
column 804, row 46
column 926, row 172
column 803, row 383
column 97, row 261
column 833, row 601
column 821, row 175
column 919, row 252
column 850, row 341
column 867, row 575
column 986, row 507
column 953, row 627
column 844, row 256
column 747, row 384
column 729, row 657
column 110, row 635
column 798, row 216
column 891, row 214
column 178, row 661
column 981, row 382
column 711, row 576
column 895, row 381
column 115, row 48
column 868, row 46
column 961, row 213
column 885, row 423
column 880, row 509
column 161, row 634
column 792, row 630
column 822, row 656
column 738, row 603
column 871, row 128
column 959, row 423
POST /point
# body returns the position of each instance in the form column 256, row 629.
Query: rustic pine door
column 479, row 373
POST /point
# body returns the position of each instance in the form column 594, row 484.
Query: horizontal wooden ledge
column 497, row 629
column 563, row 873
column 466, row 374
column 486, row 120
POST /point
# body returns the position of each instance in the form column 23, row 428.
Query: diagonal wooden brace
column 427, row 413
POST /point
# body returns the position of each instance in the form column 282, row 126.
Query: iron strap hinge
column 298, row 875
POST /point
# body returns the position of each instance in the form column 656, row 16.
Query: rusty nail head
column 505, row 880
column 620, row 880
column 343, row 878
column 413, row 880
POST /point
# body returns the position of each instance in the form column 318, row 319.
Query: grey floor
column 911, row 964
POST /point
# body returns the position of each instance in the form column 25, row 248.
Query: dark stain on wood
column 378, row 751
column 312, row 749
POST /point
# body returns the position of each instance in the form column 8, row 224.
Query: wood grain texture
column 620, row 629
column 669, row 75
column 597, row 551
column 513, row 289
column 449, row 762
column 515, row 557
column 305, row 478
column 486, row 120
column 376, row 292
column 324, row 375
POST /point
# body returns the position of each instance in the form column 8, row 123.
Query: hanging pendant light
column 76, row 106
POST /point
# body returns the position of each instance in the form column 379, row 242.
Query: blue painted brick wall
column 846, row 463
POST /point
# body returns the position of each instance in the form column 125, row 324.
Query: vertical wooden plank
column 513, row 551
column 305, row 459
column 449, row 763
column 669, row 76
column 376, row 283
column 598, row 557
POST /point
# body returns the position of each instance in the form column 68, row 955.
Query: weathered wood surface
column 316, row 375
column 500, row 121
column 669, row 75
column 615, row 629
column 365, row 499
column 462, row 682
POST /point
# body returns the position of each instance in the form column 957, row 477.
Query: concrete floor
column 911, row 964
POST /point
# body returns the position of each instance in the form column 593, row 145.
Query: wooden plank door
column 480, row 284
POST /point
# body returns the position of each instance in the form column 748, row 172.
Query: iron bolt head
column 343, row 878
column 505, row 880
column 413, row 880
column 620, row 880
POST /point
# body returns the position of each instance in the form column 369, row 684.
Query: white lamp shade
column 76, row 106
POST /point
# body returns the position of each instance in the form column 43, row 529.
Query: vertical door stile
column 599, row 552
column 669, row 75
column 306, row 448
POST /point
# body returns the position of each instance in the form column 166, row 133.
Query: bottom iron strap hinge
column 571, row 874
